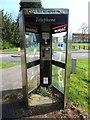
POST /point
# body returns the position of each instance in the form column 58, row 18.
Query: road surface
column 14, row 57
column 80, row 55
column 10, row 57
column 10, row 78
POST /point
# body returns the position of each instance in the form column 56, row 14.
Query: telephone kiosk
column 44, row 31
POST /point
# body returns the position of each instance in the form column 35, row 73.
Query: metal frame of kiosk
column 44, row 49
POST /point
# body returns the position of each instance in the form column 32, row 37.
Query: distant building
column 89, row 17
column 80, row 38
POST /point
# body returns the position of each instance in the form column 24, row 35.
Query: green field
column 78, row 86
column 10, row 50
column 80, row 46
column 8, row 64
column 16, row 49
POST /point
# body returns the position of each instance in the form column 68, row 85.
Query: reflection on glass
column 32, row 47
column 58, row 78
column 33, row 77
column 59, row 46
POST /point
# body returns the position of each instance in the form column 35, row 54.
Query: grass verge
column 78, row 89
column 76, row 46
column 8, row 64
column 78, row 85
column 10, row 50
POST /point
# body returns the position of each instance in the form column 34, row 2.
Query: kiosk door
column 59, row 58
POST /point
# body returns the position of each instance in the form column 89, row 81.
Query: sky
column 78, row 10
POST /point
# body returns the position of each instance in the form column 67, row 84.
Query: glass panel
column 58, row 75
column 33, row 77
column 32, row 47
column 59, row 46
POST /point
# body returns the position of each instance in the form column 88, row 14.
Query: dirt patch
column 45, row 105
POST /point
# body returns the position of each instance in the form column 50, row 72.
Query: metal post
column 73, row 67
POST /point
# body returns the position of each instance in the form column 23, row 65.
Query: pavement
column 10, row 82
column 11, row 78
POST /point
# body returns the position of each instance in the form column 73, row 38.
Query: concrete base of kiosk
column 46, row 96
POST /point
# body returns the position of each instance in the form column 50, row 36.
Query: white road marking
column 83, row 54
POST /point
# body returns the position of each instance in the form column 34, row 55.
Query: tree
column 10, row 31
column 30, row 5
column 15, row 34
column 10, row 27
column 6, row 30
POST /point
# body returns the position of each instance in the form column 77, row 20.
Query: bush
column 88, row 47
column 0, row 44
column 6, row 45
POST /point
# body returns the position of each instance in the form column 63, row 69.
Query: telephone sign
column 40, row 19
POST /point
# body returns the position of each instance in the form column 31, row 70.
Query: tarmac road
column 10, row 78
column 83, row 55
column 10, row 57
column 14, row 57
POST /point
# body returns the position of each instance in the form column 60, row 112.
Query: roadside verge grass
column 76, row 46
column 10, row 50
column 8, row 64
column 78, row 89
